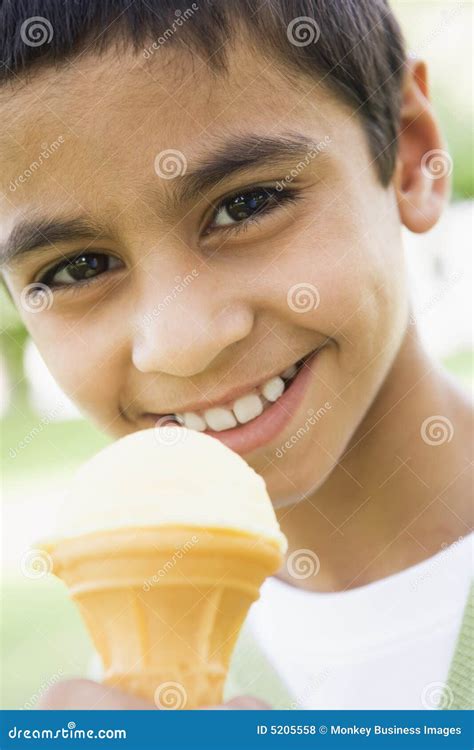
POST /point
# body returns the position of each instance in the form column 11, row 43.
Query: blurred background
column 43, row 438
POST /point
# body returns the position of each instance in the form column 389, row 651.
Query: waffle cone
column 164, row 605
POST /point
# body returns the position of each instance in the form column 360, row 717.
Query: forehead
column 89, row 133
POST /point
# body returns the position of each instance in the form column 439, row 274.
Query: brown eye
column 243, row 206
column 248, row 206
column 80, row 268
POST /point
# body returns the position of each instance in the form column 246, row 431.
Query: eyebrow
column 230, row 157
column 32, row 235
column 240, row 153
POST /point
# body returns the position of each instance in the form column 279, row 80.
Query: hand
column 88, row 695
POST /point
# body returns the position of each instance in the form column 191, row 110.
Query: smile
column 253, row 418
column 244, row 409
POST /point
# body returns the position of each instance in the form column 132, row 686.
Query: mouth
column 256, row 416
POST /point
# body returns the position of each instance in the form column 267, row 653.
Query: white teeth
column 220, row 419
column 193, row 421
column 273, row 388
column 244, row 409
column 289, row 372
column 248, row 407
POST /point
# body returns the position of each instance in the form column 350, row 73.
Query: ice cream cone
column 164, row 545
column 164, row 605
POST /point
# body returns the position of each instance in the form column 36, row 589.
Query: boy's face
column 199, row 279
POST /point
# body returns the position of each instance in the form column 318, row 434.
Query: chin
column 291, row 480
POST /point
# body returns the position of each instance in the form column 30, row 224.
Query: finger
column 88, row 695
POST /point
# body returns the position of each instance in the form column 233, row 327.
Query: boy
column 216, row 241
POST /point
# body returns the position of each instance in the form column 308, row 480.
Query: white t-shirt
column 386, row 645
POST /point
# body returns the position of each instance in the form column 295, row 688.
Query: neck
column 393, row 499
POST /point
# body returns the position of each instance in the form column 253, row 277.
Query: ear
column 423, row 165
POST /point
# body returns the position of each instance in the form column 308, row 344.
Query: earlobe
column 423, row 167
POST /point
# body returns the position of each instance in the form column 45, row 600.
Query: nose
column 182, row 332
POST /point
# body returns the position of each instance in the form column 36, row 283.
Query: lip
column 260, row 431
column 230, row 395
column 265, row 428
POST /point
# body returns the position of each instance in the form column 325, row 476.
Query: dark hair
column 353, row 46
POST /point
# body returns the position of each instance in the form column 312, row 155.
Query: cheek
column 85, row 364
column 343, row 275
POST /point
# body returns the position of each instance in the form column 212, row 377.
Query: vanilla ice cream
column 167, row 476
